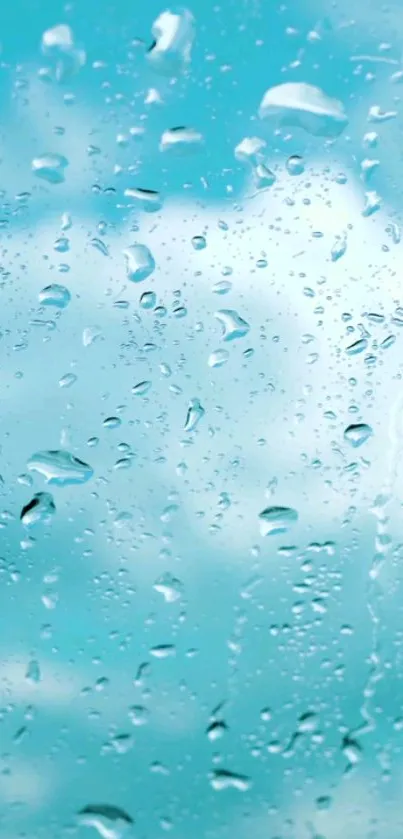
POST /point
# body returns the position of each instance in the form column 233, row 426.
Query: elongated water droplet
column 339, row 248
column 274, row 520
column 357, row 347
column 59, row 467
column 372, row 204
column 181, row 140
column 222, row 779
column 194, row 414
column 110, row 822
column 50, row 167
column 304, row 106
column 148, row 200
column 39, row 510
column 67, row 380
column 163, row 651
column 55, row 295
column 139, row 263
column 141, row 388
column 357, row 434
column 233, row 326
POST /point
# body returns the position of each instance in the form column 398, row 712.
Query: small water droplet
column 91, row 334
column 33, row 673
column 67, row 380
column 339, row 248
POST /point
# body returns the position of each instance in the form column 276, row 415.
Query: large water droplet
column 233, row 326
column 357, row 434
column 40, row 509
column 274, row 520
column 59, row 467
column 50, row 167
column 357, row 347
column 304, row 106
column 110, row 822
column 139, row 263
column 55, row 295
column 59, row 46
column 173, row 38
column 194, row 414
column 181, row 140
column 199, row 243
column 148, row 300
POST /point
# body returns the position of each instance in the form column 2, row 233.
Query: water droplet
column 304, row 106
column 163, row 651
column 110, row 822
column 339, row 248
column 148, row 200
column 250, row 150
column 50, row 167
column 295, row 165
column 351, row 750
column 233, row 326
column 358, row 434
column 263, row 177
column 91, row 334
column 67, row 380
column 199, row 243
column 169, row 586
column 372, row 204
column 139, row 263
column 357, row 347
column 274, row 520
column 218, row 358
column 194, row 414
column 307, row 723
column 40, row 509
column 222, row 287
column 138, row 715
column 181, row 140
column 112, row 422
column 216, row 730
column 173, row 38
column 60, row 467
column 148, row 300
column 141, row 388
column 222, row 779
column 33, row 673
column 55, row 295
column 58, row 44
